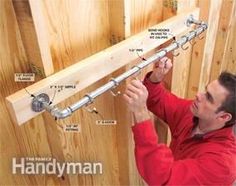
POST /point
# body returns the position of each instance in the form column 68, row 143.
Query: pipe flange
column 190, row 20
column 38, row 102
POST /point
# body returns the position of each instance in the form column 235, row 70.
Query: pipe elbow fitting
column 61, row 114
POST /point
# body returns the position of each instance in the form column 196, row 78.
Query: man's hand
column 136, row 96
column 161, row 68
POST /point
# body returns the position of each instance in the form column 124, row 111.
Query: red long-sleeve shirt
column 209, row 159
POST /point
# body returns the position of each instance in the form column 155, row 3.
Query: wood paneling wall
column 29, row 140
column 72, row 30
column 216, row 52
column 62, row 33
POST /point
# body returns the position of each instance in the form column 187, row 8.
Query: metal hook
column 193, row 42
column 90, row 98
column 116, row 84
column 200, row 38
column 204, row 28
column 115, row 94
column 183, row 44
column 91, row 110
column 175, row 55
column 186, row 48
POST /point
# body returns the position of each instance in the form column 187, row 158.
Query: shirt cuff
column 144, row 133
column 150, row 85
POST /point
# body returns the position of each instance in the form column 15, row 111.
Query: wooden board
column 181, row 63
column 76, row 29
column 107, row 144
column 43, row 136
column 34, row 36
column 144, row 14
column 29, row 140
column 180, row 73
column 177, row 79
column 116, row 56
column 197, row 52
column 224, row 29
column 213, row 21
column 229, row 56
column 119, row 11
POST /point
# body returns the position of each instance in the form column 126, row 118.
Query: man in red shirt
column 203, row 146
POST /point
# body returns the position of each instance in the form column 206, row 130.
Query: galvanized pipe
column 88, row 98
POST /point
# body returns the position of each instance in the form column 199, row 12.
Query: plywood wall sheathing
column 177, row 79
column 74, row 30
column 213, row 22
column 197, row 53
column 181, row 63
column 223, row 31
column 229, row 57
column 30, row 140
column 143, row 14
column 119, row 13
column 116, row 56
column 34, row 36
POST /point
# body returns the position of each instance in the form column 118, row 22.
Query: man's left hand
column 136, row 96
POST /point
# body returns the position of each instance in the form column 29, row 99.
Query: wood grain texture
column 145, row 14
column 72, row 36
column 223, row 32
column 34, row 139
column 181, row 65
column 213, row 22
column 177, row 79
column 81, row 29
column 229, row 56
column 119, row 20
column 34, row 36
column 16, row 141
column 180, row 72
column 119, row 13
column 116, row 56
column 197, row 52
column 76, row 29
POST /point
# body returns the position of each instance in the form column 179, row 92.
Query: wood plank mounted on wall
column 213, row 21
column 34, row 36
column 29, row 140
column 74, row 30
column 116, row 56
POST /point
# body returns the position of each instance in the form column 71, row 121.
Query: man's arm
column 165, row 105
column 160, row 101
column 155, row 97
column 136, row 93
column 157, row 166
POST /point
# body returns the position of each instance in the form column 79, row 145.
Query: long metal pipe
column 88, row 98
